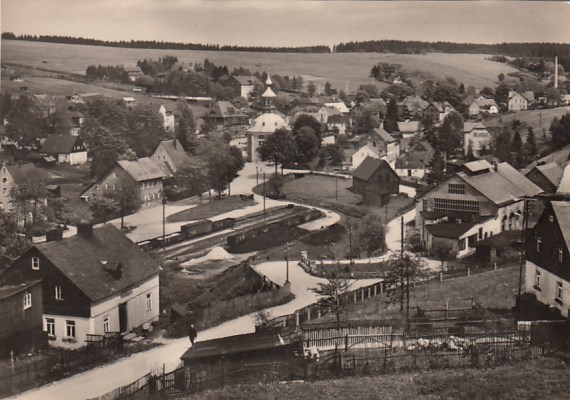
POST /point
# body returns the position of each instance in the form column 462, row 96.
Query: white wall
column 548, row 287
column 81, row 330
column 136, row 308
column 490, row 227
column 415, row 173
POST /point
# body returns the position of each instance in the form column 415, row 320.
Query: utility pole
column 349, row 242
column 336, row 187
column 264, row 195
column 256, row 176
column 287, row 254
column 163, row 222
column 522, row 255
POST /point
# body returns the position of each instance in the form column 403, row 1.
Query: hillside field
column 339, row 68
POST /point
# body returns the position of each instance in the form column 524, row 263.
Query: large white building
column 264, row 125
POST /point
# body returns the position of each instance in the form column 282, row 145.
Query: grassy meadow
column 338, row 68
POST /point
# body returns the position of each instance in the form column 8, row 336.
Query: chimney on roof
column 85, row 229
column 114, row 269
column 54, row 234
column 495, row 165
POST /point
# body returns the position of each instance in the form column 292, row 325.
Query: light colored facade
column 477, row 136
column 168, row 118
column 142, row 306
column 517, row 102
column 366, row 151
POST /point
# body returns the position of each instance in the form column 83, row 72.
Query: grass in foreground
column 212, row 208
column 544, row 378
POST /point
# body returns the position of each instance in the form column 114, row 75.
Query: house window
column 148, row 301
column 456, row 188
column 559, row 292
column 560, row 255
column 70, row 329
column 97, row 187
column 462, row 244
column 35, row 263
column 537, row 280
column 538, row 244
column 27, row 300
column 440, row 204
column 58, row 294
column 50, row 326
column 551, row 218
column 106, row 186
column 106, row 324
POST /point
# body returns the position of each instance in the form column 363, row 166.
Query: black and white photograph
column 251, row 200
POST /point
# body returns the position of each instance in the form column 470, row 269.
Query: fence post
column 369, row 291
column 296, row 318
column 468, row 271
column 319, row 313
column 354, row 297
column 346, row 342
column 375, row 290
column 309, row 314
column 381, row 287
column 441, row 276
column 446, row 310
column 362, row 294
column 495, row 265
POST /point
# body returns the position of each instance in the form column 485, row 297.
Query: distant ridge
column 530, row 49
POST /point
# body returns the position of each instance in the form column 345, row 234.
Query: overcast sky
column 290, row 23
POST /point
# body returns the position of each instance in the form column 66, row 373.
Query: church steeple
column 268, row 95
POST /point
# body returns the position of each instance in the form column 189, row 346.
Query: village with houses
column 173, row 225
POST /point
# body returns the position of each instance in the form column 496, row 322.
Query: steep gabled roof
column 367, row 168
column 141, row 169
column 564, row 186
column 176, row 153
column 225, row 109
column 59, row 144
column 82, row 260
column 247, row 80
column 10, row 290
column 450, row 230
column 502, row 186
column 562, row 211
column 19, row 172
column 552, row 172
column 382, row 134
column 409, row 161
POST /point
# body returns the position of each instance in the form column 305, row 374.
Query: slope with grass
column 543, row 378
column 341, row 69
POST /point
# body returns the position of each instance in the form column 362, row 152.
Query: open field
column 314, row 187
column 543, row 378
column 210, row 209
column 339, row 68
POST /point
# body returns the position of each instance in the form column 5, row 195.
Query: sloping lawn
column 544, row 378
column 314, row 187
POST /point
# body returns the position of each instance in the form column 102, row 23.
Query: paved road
column 101, row 380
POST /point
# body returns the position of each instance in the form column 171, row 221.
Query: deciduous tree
column 404, row 271
column 307, row 144
column 371, row 235
column 332, row 295
column 279, row 148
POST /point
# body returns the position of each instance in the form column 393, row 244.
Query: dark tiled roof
column 59, row 144
column 80, row 259
column 368, row 167
column 176, row 153
column 10, row 290
column 552, row 172
column 450, row 231
column 409, row 161
column 141, row 169
column 502, row 240
column 20, row 171
column 382, row 134
column 235, row 344
column 562, row 211
column 247, row 79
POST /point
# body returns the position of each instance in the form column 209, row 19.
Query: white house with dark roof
column 95, row 284
column 67, row 149
column 245, row 84
column 484, row 106
column 168, row 112
column 143, row 172
column 546, row 176
column 479, row 190
column 170, row 157
column 517, row 101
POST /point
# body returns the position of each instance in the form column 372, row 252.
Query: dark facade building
column 546, row 176
column 547, row 271
column 21, row 315
column 375, row 181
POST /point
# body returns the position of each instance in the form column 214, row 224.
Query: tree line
column 154, row 44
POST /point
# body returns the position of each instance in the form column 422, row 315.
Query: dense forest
column 153, row 44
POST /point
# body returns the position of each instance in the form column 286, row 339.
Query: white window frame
column 537, row 276
column 538, row 244
column 560, row 255
column 35, row 263
column 148, row 301
column 50, row 326
column 70, row 328
column 27, row 300
column 559, row 290
column 58, row 292
column 106, row 326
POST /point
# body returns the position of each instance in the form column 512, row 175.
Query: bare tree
column 332, row 294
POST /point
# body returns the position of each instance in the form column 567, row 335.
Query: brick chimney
column 85, row 229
